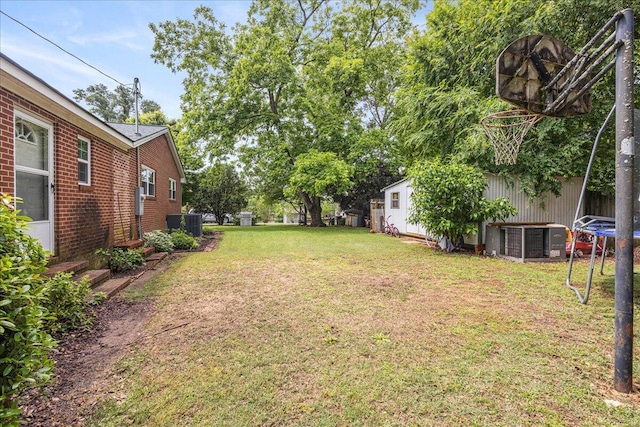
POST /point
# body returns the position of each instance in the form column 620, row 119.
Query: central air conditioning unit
column 527, row 242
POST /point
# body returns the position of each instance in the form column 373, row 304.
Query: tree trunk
column 219, row 217
column 315, row 209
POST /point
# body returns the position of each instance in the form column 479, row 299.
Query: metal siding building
column 558, row 210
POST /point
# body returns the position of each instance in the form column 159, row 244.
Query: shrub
column 447, row 199
column 68, row 303
column 183, row 240
column 120, row 260
column 159, row 240
column 24, row 342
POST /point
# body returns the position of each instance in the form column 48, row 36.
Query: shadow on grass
column 276, row 228
column 608, row 287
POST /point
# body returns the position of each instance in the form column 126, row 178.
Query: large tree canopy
column 448, row 85
column 298, row 76
column 112, row 106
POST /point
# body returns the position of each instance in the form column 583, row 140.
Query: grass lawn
column 292, row 326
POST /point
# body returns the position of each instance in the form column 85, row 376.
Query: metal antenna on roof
column 137, row 95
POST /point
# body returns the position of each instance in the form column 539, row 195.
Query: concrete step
column 95, row 276
column 158, row 256
column 130, row 244
column 67, row 267
column 147, row 252
column 154, row 259
column 112, row 286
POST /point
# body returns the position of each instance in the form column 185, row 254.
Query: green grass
column 288, row 325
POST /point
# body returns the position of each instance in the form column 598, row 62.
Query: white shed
column 558, row 210
column 397, row 202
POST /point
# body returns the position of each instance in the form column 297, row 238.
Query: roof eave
column 395, row 183
column 172, row 146
column 26, row 85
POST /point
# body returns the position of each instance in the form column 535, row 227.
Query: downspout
column 139, row 184
column 136, row 95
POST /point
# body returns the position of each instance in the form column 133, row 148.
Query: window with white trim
column 84, row 161
column 148, row 176
column 173, row 186
column 395, row 200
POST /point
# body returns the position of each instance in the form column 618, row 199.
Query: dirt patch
column 82, row 359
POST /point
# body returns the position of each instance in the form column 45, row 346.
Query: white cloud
column 124, row 37
column 58, row 69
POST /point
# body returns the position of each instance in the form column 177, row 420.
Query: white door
column 411, row 228
column 34, row 176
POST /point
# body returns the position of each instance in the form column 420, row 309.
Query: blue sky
column 112, row 36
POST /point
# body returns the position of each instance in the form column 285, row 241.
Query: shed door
column 34, row 176
column 411, row 228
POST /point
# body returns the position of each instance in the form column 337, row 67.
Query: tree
column 298, row 76
column 220, row 191
column 315, row 176
column 155, row 117
column 149, row 106
column 448, row 86
column 447, row 200
column 367, row 187
column 111, row 106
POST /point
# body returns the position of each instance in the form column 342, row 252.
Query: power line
column 62, row 49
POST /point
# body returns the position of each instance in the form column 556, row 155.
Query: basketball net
column 506, row 130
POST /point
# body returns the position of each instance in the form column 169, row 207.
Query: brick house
column 77, row 174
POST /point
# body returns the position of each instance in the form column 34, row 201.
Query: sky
column 112, row 36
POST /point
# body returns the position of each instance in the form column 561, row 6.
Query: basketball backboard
column 529, row 64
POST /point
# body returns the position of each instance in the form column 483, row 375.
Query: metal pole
column 622, row 375
column 636, row 173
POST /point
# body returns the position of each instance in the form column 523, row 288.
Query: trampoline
column 597, row 227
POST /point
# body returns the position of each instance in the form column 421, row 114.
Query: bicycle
column 390, row 229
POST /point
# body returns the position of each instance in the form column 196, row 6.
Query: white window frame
column 146, row 182
column 87, row 162
column 50, row 173
column 395, row 202
column 173, row 189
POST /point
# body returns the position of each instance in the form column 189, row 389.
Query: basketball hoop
column 506, row 130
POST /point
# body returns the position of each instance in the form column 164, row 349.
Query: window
column 84, row 165
column 172, row 189
column 149, row 181
column 395, row 200
column 25, row 131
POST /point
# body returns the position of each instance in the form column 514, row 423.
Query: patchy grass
column 286, row 325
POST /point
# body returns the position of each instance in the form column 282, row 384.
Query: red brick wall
column 124, row 163
column 156, row 154
column 6, row 143
column 86, row 217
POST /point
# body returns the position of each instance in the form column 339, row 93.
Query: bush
column 24, row 342
column 447, row 199
column 159, row 240
column 183, row 240
column 68, row 303
column 120, row 260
